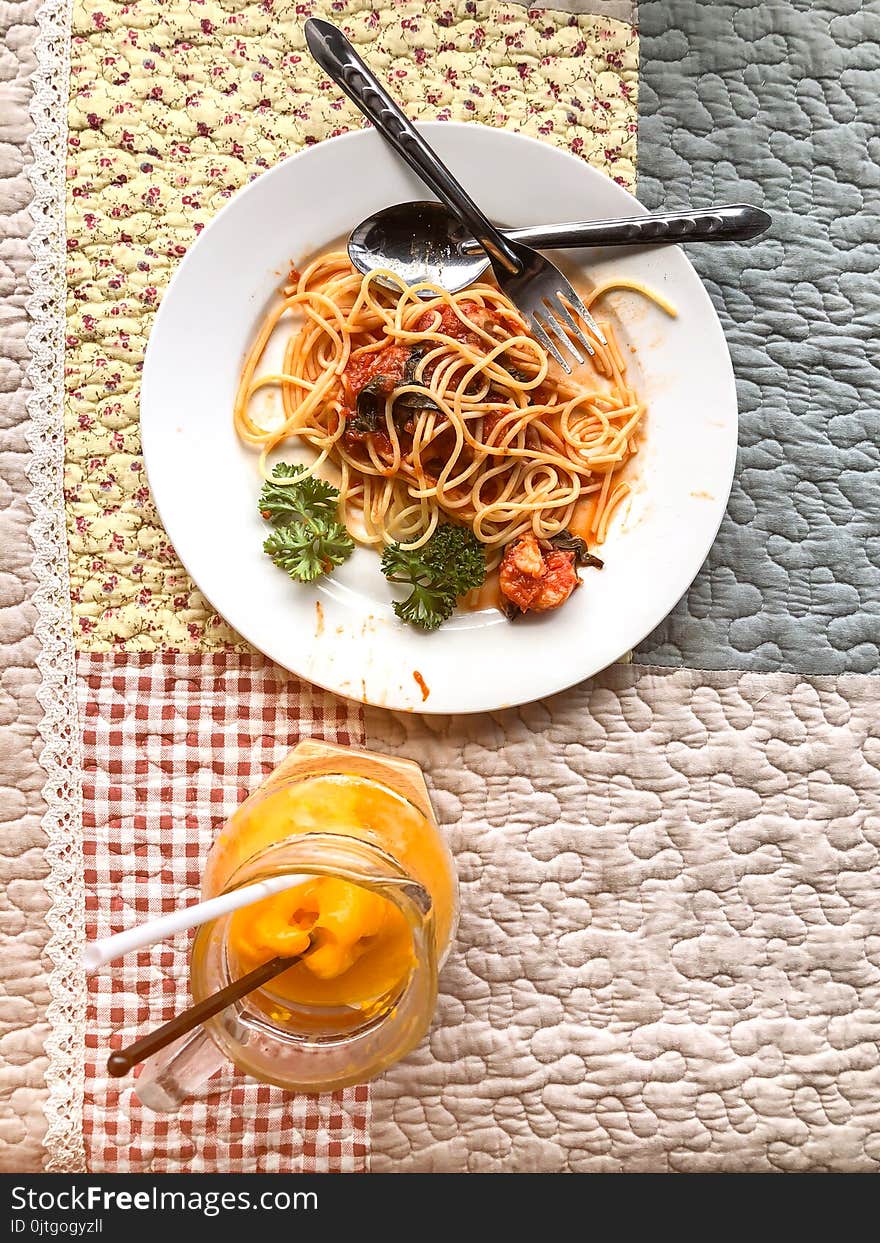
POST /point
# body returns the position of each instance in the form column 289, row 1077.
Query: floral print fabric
column 173, row 108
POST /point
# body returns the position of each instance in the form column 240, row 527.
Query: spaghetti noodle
column 424, row 406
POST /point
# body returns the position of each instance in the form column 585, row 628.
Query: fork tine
column 560, row 309
column 572, row 296
column 543, row 336
column 555, row 310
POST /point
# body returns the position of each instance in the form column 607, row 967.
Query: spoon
column 426, row 242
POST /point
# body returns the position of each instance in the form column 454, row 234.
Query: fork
column 534, row 285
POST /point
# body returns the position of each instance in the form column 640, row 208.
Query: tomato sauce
column 389, row 362
column 450, row 324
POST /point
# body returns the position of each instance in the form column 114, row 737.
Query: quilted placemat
column 779, row 103
column 171, row 745
column 24, row 985
column 172, row 109
column 666, row 956
column 667, row 952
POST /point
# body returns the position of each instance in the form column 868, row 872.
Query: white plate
column 342, row 633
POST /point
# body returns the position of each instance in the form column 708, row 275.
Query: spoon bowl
column 418, row 242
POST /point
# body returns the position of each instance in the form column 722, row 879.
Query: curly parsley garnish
column 448, row 566
column 309, row 540
column 281, row 503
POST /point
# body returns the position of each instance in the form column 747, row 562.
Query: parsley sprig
column 448, row 566
column 309, row 540
column 281, row 503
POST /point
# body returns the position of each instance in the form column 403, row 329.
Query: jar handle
column 171, row 1075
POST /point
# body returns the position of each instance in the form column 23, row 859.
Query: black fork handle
column 337, row 57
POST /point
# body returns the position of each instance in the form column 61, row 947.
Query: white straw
column 97, row 953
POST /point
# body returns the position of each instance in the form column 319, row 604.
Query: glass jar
column 361, row 819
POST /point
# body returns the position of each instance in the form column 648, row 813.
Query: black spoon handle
column 735, row 222
column 337, row 57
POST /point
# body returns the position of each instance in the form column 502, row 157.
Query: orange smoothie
column 362, row 950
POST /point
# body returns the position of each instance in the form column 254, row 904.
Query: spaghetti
column 424, row 406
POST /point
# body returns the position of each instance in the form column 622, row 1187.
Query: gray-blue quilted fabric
column 779, row 104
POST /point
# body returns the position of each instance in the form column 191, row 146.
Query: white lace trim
column 60, row 727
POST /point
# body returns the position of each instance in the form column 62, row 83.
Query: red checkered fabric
column 171, row 744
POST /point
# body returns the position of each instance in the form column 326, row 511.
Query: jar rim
column 397, row 878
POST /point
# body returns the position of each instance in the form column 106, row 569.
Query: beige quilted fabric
column 668, row 956
column 668, row 952
column 23, row 932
